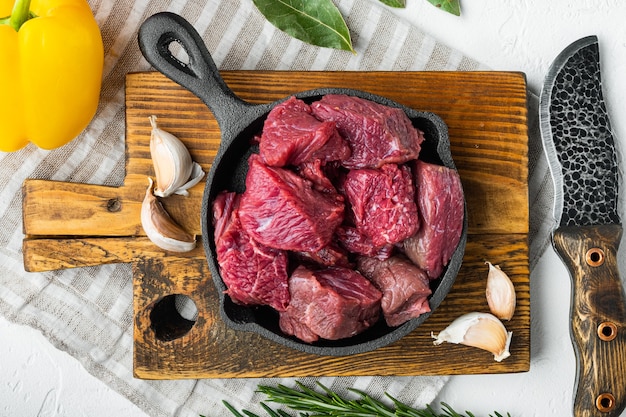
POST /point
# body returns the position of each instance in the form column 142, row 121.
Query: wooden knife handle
column 598, row 317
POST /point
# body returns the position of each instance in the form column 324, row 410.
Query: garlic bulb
column 480, row 330
column 174, row 169
column 500, row 293
column 161, row 228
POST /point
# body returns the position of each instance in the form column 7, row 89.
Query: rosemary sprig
column 311, row 403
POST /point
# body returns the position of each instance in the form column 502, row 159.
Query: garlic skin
column 480, row 330
column 161, row 228
column 500, row 293
column 174, row 169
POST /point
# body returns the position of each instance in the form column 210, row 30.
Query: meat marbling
column 382, row 203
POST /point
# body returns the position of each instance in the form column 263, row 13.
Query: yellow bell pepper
column 51, row 59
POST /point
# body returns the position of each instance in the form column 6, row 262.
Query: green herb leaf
column 329, row 404
column 450, row 6
column 316, row 22
column 394, row 3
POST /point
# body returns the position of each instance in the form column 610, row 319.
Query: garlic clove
column 500, row 293
column 172, row 162
column 196, row 175
column 481, row 330
column 161, row 228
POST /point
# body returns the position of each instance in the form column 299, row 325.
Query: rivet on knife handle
column 598, row 317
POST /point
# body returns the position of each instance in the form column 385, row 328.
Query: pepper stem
column 20, row 14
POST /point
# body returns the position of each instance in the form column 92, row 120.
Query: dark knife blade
column 580, row 148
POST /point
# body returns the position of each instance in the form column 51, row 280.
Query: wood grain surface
column 598, row 317
column 73, row 225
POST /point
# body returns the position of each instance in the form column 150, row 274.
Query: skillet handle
column 200, row 75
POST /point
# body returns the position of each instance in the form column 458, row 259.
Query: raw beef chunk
column 382, row 203
column 292, row 135
column 253, row 273
column 331, row 303
column 356, row 242
column 441, row 207
column 377, row 134
column 331, row 255
column 314, row 172
column 282, row 210
column 405, row 287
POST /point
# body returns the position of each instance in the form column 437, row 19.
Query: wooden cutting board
column 69, row 225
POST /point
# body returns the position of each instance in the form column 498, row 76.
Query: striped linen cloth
column 87, row 312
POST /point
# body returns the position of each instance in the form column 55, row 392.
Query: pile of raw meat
column 340, row 222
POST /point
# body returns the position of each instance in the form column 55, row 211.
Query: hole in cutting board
column 173, row 316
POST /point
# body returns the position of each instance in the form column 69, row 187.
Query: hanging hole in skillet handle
column 161, row 38
column 177, row 50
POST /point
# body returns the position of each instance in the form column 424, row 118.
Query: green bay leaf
column 394, row 3
column 450, row 6
column 316, row 22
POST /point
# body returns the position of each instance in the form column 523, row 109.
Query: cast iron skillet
column 239, row 121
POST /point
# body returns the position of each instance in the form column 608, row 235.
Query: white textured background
column 517, row 35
